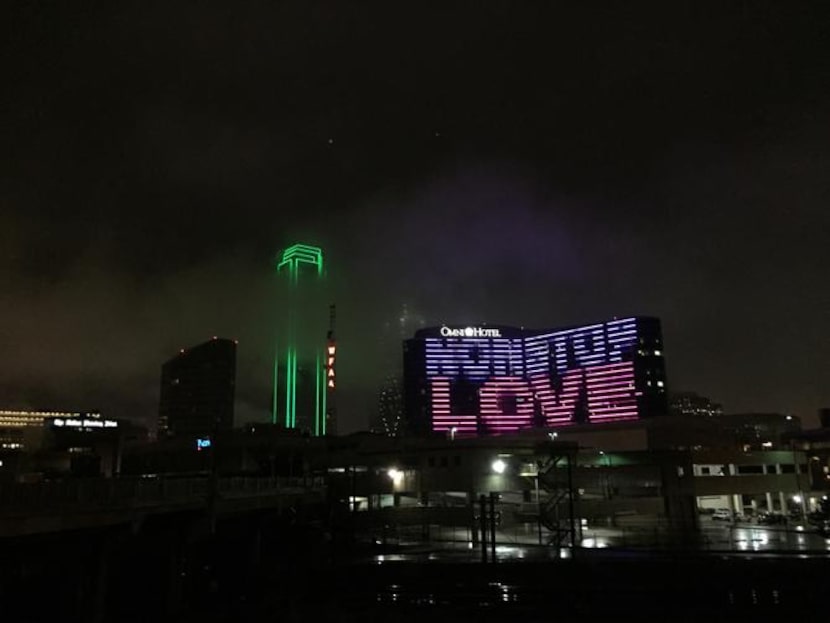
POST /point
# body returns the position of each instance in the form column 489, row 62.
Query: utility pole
column 329, row 424
column 493, row 526
column 482, row 521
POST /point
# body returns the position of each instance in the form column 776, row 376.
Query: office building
column 304, row 364
column 691, row 403
column 490, row 380
column 38, row 444
column 389, row 418
column 759, row 430
column 15, row 424
column 390, row 421
column 197, row 390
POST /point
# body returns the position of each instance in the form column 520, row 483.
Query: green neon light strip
column 294, row 388
column 301, row 249
column 290, row 387
column 307, row 254
column 302, row 253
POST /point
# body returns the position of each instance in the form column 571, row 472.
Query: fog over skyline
column 523, row 166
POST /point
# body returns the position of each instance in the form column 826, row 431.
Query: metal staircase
column 556, row 511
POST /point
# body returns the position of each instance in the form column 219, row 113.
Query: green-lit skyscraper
column 301, row 365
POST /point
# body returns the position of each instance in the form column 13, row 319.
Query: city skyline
column 532, row 167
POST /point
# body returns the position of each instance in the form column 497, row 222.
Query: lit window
column 658, row 352
column 659, row 383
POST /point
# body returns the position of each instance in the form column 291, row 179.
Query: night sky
column 506, row 162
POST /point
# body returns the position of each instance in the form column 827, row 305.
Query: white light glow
column 395, row 474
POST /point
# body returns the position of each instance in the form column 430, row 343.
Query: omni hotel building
column 492, row 380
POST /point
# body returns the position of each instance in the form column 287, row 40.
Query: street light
column 499, row 466
column 395, row 474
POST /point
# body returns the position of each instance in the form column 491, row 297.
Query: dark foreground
column 295, row 575
column 590, row 590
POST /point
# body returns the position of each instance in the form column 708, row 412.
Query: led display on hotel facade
column 494, row 380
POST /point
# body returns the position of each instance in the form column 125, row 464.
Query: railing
column 110, row 493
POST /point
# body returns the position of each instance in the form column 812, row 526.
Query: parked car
column 818, row 518
column 722, row 514
column 769, row 519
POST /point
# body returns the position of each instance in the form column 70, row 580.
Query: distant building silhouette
column 760, row 430
column 197, row 390
column 389, row 418
column 691, row 403
column 390, row 407
column 15, row 424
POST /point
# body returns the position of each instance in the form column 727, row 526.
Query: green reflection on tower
column 301, row 264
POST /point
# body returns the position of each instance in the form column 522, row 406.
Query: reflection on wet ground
column 737, row 538
column 593, row 584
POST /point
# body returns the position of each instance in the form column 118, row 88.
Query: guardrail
column 101, row 493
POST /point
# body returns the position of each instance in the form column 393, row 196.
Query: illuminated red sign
column 331, row 351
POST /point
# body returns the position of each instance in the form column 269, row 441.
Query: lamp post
column 397, row 477
column 499, row 466
column 798, row 499
column 607, row 458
